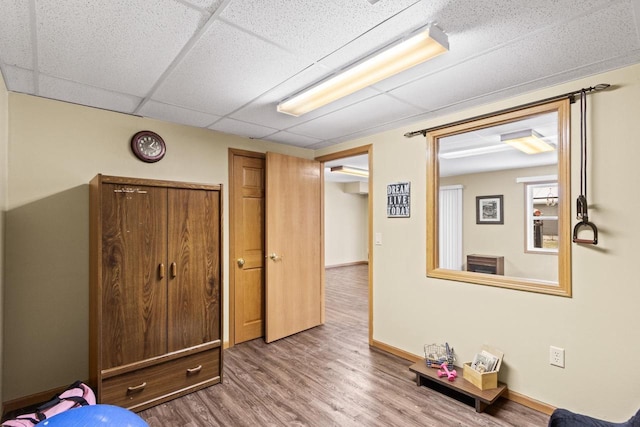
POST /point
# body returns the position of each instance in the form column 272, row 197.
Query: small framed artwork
column 489, row 210
column 399, row 200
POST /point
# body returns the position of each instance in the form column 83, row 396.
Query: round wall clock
column 148, row 146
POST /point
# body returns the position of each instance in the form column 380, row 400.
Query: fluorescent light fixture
column 350, row 170
column 426, row 43
column 528, row 141
column 470, row 152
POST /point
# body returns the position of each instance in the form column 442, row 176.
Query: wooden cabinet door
column 194, row 268
column 134, row 295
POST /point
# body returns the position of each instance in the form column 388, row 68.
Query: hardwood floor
column 327, row 376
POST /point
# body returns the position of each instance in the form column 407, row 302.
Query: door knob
column 275, row 257
column 240, row 262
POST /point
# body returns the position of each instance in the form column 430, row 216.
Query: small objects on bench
column 450, row 374
column 483, row 371
column 480, row 399
column 437, row 354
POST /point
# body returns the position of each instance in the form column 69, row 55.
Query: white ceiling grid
column 225, row 64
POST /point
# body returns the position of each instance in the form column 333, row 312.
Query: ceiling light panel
column 418, row 47
column 528, row 141
column 121, row 45
column 350, row 170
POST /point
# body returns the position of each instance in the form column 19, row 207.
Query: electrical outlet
column 556, row 356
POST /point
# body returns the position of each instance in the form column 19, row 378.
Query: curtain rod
column 570, row 95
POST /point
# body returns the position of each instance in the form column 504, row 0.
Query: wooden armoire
column 155, row 289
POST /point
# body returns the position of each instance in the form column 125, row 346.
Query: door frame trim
column 232, row 271
column 368, row 150
column 365, row 149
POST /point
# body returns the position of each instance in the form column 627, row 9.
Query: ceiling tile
column 171, row 113
column 220, row 73
column 15, row 42
column 380, row 109
column 18, row 79
column 236, row 127
column 64, row 90
column 122, row 45
column 208, row 5
column 322, row 144
column 293, row 139
column 607, row 34
column 635, row 4
column 310, row 27
column 227, row 63
column 473, row 28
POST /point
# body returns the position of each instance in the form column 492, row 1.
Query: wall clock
column 148, row 146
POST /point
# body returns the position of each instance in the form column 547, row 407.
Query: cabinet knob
column 240, row 262
column 161, row 270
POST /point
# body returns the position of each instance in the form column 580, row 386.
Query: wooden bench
column 428, row 377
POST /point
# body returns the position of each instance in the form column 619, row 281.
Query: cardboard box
column 486, row 380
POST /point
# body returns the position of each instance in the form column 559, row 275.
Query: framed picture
column 399, row 200
column 489, row 210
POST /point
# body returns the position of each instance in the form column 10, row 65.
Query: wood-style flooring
column 327, row 376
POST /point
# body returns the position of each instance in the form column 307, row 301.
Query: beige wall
column 507, row 239
column 598, row 326
column 4, row 138
column 345, row 225
column 55, row 148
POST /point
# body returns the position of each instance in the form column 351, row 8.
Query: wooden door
column 248, row 246
column 134, row 295
column 293, row 242
column 194, row 268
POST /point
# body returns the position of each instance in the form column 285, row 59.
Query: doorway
column 360, row 158
column 247, row 310
column 276, row 279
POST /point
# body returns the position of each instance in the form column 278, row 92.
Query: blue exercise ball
column 95, row 416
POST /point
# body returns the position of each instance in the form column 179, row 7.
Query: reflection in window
column 485, row 155
column 542, row 217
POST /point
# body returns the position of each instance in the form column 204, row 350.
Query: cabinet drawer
column 163, row 381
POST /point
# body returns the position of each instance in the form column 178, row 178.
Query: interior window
column 485, row 223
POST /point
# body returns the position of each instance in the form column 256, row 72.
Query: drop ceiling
column 225, row 64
